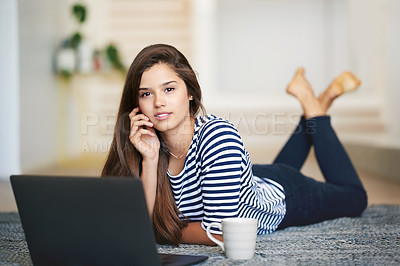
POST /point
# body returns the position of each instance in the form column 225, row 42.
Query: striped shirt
column 217, row 182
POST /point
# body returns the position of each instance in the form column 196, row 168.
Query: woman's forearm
column 193, row 233
column 149, row 181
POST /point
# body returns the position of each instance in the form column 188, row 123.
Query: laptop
column 88, row 221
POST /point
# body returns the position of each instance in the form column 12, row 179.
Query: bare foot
column 345, row 82
column 300, row 88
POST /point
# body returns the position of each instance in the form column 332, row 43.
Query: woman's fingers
column 139, row 133
column 142, row 134
column 138, row 120
column 135, row 115
column 134, row 112
column 137, row 124
column 137, row 138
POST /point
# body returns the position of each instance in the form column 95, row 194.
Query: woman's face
column 163, row 98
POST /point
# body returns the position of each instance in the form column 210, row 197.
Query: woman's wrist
column 149, row 168
column 150, row 161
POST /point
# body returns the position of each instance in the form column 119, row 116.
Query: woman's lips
column 162, row 116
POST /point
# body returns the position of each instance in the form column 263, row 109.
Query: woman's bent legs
column 296, row 149
column 309, row 201
column 332, row 158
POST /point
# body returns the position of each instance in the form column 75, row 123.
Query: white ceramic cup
column 239, row 234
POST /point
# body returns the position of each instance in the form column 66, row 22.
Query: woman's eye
column 145, row 94
column 169, row 89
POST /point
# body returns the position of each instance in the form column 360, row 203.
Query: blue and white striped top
column 217, row 181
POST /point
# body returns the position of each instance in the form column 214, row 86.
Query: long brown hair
column 123, row 158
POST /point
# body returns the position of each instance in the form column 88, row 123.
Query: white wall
column 246, row 52
column 257, row 45
column 393, row 68
column 31, row 31
column 41, row 28
column 375, row 42
column 9, row 91
column 261, row 43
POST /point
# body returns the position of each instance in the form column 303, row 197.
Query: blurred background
column 63, row 66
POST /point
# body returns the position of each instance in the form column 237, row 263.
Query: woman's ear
column 190, row 98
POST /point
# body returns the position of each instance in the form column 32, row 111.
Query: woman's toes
column 299, row 86
column 300, row 71
column 347, row 82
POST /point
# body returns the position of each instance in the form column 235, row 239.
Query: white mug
column 239, row 234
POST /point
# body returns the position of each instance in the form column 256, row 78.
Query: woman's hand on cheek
column 143, row 136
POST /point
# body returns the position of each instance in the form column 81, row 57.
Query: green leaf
column 76, row 38
column 113, row 57
column 79, row 11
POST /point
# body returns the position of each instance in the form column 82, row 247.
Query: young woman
column 195, row 169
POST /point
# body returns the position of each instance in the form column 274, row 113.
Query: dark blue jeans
column 307, row 200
